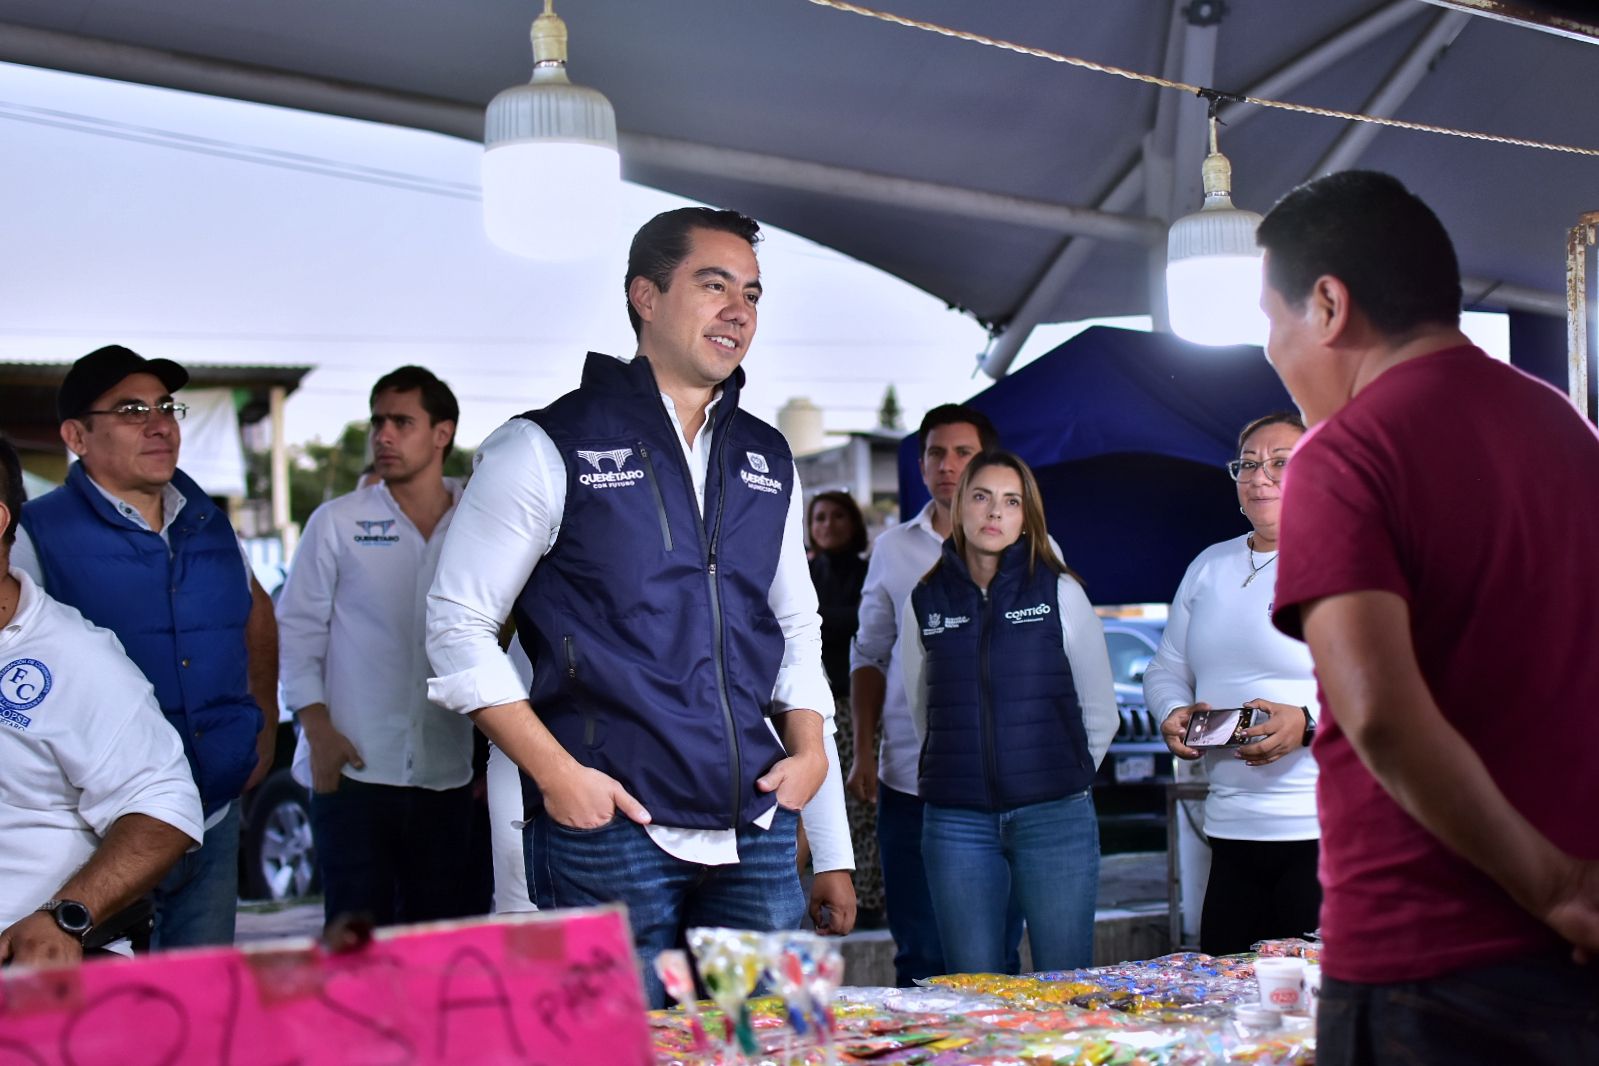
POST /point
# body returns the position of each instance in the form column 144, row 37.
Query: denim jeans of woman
column 1048, row 853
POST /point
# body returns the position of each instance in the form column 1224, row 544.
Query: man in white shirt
column 949, row 436
column 138, row 547
column 646, row 535
column 96, row 801
column 389, row 772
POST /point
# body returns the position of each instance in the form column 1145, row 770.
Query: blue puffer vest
column 654, row 649
column 1004, row 727
column 180, row 615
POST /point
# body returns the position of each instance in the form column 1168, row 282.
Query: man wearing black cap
column 139, row 548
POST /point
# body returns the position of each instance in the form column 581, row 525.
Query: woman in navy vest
column 1010, row 686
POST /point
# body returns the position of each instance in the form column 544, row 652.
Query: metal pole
column 1581, row 238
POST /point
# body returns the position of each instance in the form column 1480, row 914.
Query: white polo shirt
column 352, row 628
column 82, row 743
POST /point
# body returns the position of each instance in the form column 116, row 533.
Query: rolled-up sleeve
column 506, row 521
column 878, row 628
column 801, row 681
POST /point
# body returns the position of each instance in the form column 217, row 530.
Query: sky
column 210, row 230
column 215, row 231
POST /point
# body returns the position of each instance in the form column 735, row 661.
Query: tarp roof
column 966, row 170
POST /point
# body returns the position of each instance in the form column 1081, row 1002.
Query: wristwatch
column 1310, row 726
column 73, row 917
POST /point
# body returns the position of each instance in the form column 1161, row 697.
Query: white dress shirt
column 510, row 517
column 899, row 558
column 1082, row 635
column 352, row 627
column 83, row 743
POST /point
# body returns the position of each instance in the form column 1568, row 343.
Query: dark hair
column 437, row 399
column 1374, row 235
column 1283, row 418
column 15, row 493
column 953, row 414
column 663, row 242
column 1033, row 527
column 857, row 540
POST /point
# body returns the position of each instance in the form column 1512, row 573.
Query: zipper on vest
column 737, row 766
column 708, row 553
column 571, row 657
column 985, row 699
column 655, row 489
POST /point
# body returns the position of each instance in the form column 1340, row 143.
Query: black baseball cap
column 99, row 371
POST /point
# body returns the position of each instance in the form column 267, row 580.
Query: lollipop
column 730, row 964
column 672, row 966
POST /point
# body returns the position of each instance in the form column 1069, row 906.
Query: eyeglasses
column 1244, row 469
column 137, row 414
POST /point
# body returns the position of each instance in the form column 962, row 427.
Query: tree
column 888, row 415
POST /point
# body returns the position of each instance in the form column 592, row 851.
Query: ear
column 641, row 294
column 1330, row 308
column 72, row 434
column 443, row 432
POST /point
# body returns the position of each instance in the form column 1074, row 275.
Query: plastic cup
column 1282, row 984
column 1312, row 987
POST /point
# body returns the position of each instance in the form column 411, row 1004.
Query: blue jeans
column 665, row 896
column 918, row 953
column 196, row 902
column 1044, row 855
column 1541, row 1010
column 396, row 853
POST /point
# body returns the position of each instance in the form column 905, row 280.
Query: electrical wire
column 1197, row 90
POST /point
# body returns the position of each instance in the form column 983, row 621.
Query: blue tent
column 1128, row 433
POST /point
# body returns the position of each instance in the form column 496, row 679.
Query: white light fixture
column 552, row 176
column 1213, row 265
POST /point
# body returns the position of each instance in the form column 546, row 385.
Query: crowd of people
column 709, row 687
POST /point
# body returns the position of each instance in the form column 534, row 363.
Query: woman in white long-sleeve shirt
column 1220, row 650
column 1009, row 686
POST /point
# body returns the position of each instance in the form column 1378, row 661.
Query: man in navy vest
column 645, row 534
column 138, row 547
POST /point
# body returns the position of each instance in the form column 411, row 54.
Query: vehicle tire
column 279, row 855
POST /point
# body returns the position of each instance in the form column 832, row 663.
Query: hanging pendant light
column 552, row 175
column 1213, row 264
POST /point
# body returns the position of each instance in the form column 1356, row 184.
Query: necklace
column 1249, row 543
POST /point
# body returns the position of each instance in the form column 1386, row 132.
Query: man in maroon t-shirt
column 1440, row 555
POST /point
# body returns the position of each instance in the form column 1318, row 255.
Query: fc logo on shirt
column 23, row 685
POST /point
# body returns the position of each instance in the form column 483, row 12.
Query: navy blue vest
column 654, row 649
column 180, row 615
column 1004, row 727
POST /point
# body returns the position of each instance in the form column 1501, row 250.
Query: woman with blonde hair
column 1010, row 687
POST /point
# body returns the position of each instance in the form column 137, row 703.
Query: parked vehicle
column 1130, row 789
column 277, row 859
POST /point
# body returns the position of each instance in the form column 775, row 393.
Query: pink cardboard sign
column 551, row 989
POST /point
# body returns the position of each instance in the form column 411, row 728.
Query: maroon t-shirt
column 1471, row 490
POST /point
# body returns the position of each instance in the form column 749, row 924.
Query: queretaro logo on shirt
column 376, row 532
column 617, row 477
column 938, row 623
column 756, row 476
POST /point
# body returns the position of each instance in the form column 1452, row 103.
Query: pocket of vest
column 655, row 490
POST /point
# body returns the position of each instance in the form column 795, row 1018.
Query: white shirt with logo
column 510, row 517
column 352, row 633
column 1082, row 635
column 82, row 743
